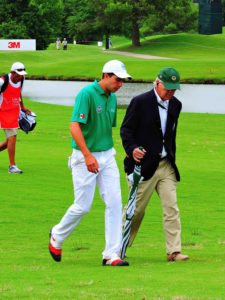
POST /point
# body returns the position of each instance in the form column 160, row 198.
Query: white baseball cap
column 19, row 68
column 116, row 67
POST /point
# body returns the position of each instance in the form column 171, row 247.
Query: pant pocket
column 75, row 159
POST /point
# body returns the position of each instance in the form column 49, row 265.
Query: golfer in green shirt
column 93, row 162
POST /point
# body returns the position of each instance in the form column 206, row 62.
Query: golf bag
column 27, row 122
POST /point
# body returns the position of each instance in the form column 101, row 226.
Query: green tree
column 79, row 19
column 91, row 20
column 110, row 17
column 223, row 5
column 11, row 19
column 169, row 16
column 176, row 16
column 36, row 19
column 141, row 10
column 13, row 30
column 44, row 21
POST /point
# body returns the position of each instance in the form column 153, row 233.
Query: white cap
column 116, row 67
column 19, row 68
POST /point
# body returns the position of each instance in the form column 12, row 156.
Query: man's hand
column 90, row 160
column 26, row 110
column 138, row 154
column 91, row 163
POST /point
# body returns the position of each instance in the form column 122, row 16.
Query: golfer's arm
column 77, row 134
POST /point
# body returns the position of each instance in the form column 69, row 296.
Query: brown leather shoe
column 177, row 256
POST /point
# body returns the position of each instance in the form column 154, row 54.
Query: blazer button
column 163, row 141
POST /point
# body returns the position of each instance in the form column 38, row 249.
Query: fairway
column 33, row 202
column 198, row 58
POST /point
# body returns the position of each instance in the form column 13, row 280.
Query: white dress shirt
column 163, row 112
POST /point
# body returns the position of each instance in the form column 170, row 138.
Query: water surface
column 195, row 97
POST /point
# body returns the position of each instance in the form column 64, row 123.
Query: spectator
column 64, row 42
column 58, row 44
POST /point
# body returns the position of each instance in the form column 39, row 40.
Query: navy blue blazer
column 142, row 127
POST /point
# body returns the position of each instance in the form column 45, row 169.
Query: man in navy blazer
column 151, row 122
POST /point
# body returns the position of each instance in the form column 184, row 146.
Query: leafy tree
column 176, row 16
column 12, row 19
column 79, row 19
column 37, row 19
column 110, row 17
column 169, row 16
column 91, row 20
column 139, row 11
column 44, row 21
column 88, row 20
column 223, row 5
column 13, row 30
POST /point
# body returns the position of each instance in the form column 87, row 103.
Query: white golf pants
column 84, row 182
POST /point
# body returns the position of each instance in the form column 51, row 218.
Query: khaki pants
column 164, row 183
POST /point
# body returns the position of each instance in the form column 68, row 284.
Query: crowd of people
column 148, row 134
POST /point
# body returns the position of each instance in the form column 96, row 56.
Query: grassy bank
column 32, row 202
column 199, row 58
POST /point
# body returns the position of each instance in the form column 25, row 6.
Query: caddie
column 10, row 105
column 93, row 162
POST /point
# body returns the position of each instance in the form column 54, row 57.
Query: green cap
column 170, row 78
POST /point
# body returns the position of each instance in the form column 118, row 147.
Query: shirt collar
column 99, row 88
column 165, row 103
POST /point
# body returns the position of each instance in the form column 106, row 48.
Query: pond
column 195, row 97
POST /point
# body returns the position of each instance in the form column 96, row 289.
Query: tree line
column 91, row 20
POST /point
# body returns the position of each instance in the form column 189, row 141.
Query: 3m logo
column 13, row 45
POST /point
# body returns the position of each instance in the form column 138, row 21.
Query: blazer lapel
column 171, row 120
column 155, row 110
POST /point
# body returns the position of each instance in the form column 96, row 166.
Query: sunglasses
column 118, row 79
column 21, row 70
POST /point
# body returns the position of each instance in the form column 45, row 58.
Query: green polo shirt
column 96, row 112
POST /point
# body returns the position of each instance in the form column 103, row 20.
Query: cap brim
column 171, row 86
column 21, row 72
column 122, row 75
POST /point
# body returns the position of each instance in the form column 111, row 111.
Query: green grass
column 33, row 202
column 199, row 58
